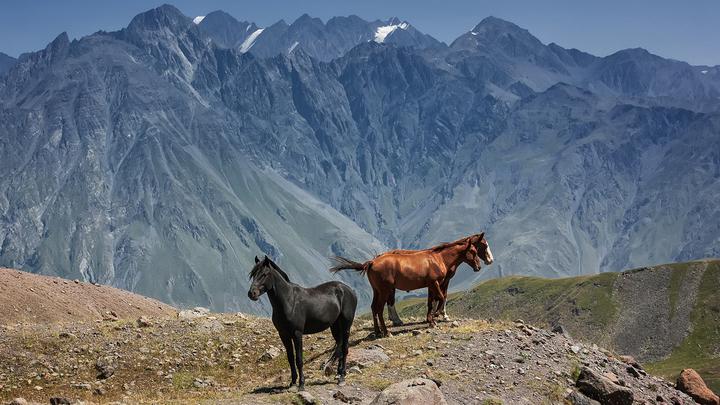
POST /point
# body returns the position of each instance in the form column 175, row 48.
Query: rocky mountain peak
column 165, row 16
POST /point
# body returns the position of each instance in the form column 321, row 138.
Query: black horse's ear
column 266, row 259
column 257, row 260
column 482, row 235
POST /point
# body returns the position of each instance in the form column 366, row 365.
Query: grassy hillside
column 667, row 316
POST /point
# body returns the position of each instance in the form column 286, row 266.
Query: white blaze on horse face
column 489, row 255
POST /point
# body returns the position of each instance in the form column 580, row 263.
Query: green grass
column 676, row 279
column 581, row 304
column 701, row 349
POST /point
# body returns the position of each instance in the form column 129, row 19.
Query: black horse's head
column 263, row 277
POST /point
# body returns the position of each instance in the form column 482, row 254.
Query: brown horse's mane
column 435, row 248
column 446, row 245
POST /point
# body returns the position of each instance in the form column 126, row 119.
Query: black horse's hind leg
column 347, row 324
column 287, row 342
column 297, row 341
column 337, row 336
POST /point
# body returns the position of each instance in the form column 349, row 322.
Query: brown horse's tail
column 342, row 263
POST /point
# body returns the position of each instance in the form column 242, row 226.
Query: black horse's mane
column 259, row 266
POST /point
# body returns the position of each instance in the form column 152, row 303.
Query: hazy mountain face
column 161, row 158
column 6, row 62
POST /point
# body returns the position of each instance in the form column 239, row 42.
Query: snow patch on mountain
column 292, row 48
column 250, row 40
column 382, row 32
column 198, row 19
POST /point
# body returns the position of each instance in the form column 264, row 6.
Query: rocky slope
column 666, row 316
column 159, row 160
column 234, row 359
column 35, row 299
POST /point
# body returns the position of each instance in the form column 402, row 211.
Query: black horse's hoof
column 301, row 388
column 293, row 388
column 341, row 383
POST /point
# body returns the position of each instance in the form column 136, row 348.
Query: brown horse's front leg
column 433, row 290
column 430, row 307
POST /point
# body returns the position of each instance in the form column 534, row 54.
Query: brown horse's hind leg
column 376, row 308
column 392, row 312
column 381, row 300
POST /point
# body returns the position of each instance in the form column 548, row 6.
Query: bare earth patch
column 32, row 298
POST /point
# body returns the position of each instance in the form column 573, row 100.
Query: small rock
column 340, row 396
column 692, row 384
column 418, row 391
column 59, row 401
column 455, row 324
column 575, row 349
column 18, row 401
column 270, row 354
column 631, row 361
column 633, row 372
column 197, row 312
column 306, row 398
column 365, row 357
column 354, row 370
column 558, row 329
column 105, row 367
column 576, row 398
column 144, row 322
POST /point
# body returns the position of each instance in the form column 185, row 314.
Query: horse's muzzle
column 253, row 295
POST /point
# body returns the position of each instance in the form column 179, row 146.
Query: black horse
column 299, row 311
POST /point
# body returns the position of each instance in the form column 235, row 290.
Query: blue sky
column 684, row 30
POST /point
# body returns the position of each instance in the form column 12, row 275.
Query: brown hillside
column 32, row 298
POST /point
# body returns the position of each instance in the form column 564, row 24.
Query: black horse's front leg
column 288, row 343
column 297, row 340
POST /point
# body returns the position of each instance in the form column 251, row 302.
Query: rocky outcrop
column 418, row 391
column 690, row 382
column 603, row 389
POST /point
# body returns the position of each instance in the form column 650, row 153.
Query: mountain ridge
column 150, row 144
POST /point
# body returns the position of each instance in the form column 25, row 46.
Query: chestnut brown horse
column 410, row 270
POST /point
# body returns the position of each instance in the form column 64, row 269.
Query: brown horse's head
column 478, row 249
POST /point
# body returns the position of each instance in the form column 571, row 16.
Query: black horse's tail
column 342, row 263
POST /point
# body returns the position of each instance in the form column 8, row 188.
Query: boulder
column 692, row 384
column 417, row 391
column 365, row 357
column 601, row 389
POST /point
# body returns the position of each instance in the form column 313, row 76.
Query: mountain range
column 162, row 157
